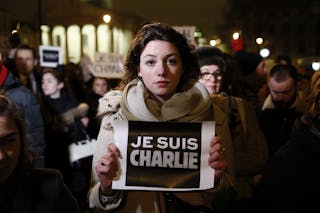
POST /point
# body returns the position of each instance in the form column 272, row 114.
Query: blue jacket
column 30, row 110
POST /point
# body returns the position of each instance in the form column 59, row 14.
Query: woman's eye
column 171, row 61
column 8, row 141
column 11, row 141
column 150, row 62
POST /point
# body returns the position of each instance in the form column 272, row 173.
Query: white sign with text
column 164, row 156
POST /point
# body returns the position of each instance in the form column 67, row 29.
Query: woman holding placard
column 160, row 84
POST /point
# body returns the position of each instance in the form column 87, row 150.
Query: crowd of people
column 263, row 154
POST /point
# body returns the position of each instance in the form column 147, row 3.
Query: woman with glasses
column 249, row 144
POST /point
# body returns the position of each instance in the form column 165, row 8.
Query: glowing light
column 197, row 34
column 316, row 65
column 259, row 40
column 107, row 18
column 213, row 43
column 264, row 52
column 236, row 35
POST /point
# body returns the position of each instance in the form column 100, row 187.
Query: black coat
column 291, row 181
column 276, row 126
column 39, row 191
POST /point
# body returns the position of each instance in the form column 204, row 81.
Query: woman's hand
column 107, row 168
column 217, row 160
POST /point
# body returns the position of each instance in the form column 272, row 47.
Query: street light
column 259, row 40
column 215, row 42
column 236, row 42
column 316, row 65
column 236, row 35
column 264, row 52
column 106, row 18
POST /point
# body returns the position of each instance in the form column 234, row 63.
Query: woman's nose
column 161, row 69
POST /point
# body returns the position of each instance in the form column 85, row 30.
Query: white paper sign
column 108, row 65
column 50, row 56
column 164, row 156
column 188, row 32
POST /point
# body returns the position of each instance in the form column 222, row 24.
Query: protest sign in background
column 50, row 56
column 108, row 65
column 188, row 32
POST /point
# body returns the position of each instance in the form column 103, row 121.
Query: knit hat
column 247, row 61
column 210, row 56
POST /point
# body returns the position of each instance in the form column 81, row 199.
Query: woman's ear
column 61, row 85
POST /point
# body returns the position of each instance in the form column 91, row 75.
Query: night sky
column 205, row 14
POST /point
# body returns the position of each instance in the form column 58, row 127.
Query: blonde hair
column 314, row 95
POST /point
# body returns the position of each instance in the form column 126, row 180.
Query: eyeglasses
column 207, row 75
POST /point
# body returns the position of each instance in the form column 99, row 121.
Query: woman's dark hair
column 8, row 109
column 61, row 78
column 208, row 55
column 57, row 74
column 158, row 31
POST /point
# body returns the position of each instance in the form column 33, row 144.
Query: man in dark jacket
column 29, row 108
column 291, row 179
column 282, row 107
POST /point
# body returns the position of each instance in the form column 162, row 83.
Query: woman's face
column 50, row 85
column 160, row 69
column 211, row 78
column 10, row 147
column 100, row 86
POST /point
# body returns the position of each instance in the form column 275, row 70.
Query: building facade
column 76, row 26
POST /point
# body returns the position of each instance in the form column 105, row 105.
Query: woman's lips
column 162, row 83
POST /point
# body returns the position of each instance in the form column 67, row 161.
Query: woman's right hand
column 107, row 168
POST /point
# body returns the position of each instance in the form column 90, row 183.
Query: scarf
column 3, row 75
column 193, row 104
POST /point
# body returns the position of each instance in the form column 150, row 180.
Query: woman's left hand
column 217, row 159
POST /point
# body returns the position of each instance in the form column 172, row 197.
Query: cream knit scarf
column 190, row 105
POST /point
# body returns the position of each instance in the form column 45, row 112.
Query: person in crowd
column 250, row 148
column 291, row 179
column 252, row 71
column 26, row 68
column 73, row 76
column 160, row 84
column 29, row 108
column 99, row 87
column 282, row 107
column 64, row 127
column 14, row 41
column 87, row 69
column 24, row 188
